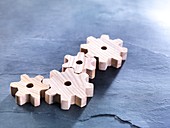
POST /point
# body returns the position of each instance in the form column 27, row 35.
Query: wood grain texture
column 68, row 88
column 80, row 64
column 109, row 52
column 117, row 44
column 29, row 90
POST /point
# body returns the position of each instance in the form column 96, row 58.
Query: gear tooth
column 81, row 101
column 65, row 104
column 20, row 98
column 67, row 62
column 65, row 65
column 90, row 90
column 93, row 63
column 49, row 96
column 13, row 88
column 53, row 73
column 84, row 76
column 35, row 100
column 90, row 39
column 91, row 73
column 83, row 47
column 23, row 76
column 118, row 42
column 13, row 84
column 104, row 36
column 46, row 81
column 102, row 64
column 66, row 58
column 124, row 53
column 125, row 49
column 82, row 53
column 69, row 70
column 39, row 78
column 117, row 62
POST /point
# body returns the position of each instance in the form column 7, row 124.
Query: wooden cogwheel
column 28, row 90
column 108, row 52
column 68, row 88
column 80, row 64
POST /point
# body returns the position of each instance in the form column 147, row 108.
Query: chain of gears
column 71, row 86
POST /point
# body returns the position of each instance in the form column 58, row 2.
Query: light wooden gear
column 28, row 90
column 80, row 64
column 68, row 88
column 108, row 52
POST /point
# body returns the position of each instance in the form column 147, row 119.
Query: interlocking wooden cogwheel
column 71, row 86
column 109, row 52
column 29, row 90
column 68, row 88
column 80, row 64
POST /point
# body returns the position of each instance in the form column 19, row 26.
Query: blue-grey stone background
column 36, row 34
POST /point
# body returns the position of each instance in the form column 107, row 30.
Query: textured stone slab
column 34, row 33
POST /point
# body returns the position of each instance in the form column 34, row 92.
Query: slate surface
column 36, row 34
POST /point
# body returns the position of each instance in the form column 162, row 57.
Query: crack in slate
column 83, row 120
column 112, row 116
